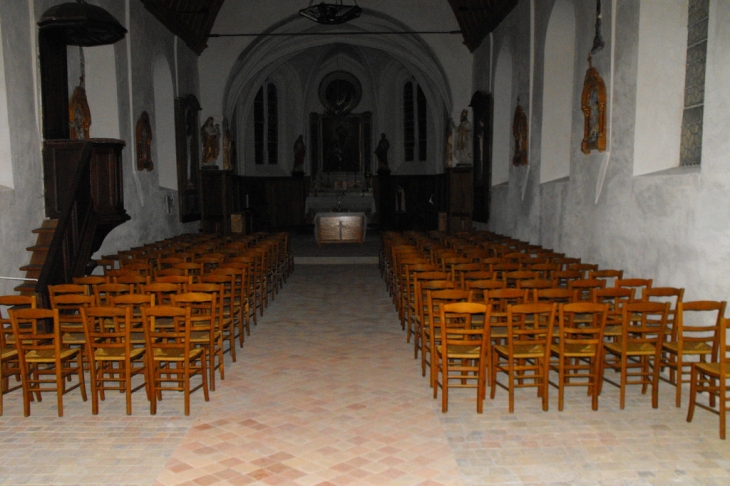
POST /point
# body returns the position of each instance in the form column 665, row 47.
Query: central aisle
column 325, row 391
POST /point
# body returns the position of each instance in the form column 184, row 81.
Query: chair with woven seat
column 525, row 357
column 113, row 358
column 230, row 314
column 558, row 295
column 579, row 349
column 45, row 361
column 711, row 378
column 694, row 337
column 135, row 302
column 638, row 350
column 172, row 359
column 460, row 359
column 70, row 321
column 563, row 278
column 205, row 331
column 584, row 268
column 429, row 331
column 9, row 365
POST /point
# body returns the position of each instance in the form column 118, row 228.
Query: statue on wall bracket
column 593, row 104
column 519, row 132
column 79, row 114
column 143, row 141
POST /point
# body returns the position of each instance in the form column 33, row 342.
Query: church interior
column 570, row 125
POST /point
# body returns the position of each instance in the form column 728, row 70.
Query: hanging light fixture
column 331, row 13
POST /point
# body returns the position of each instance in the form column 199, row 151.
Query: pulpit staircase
column 84, row 200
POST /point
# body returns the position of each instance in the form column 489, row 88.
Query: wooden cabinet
column 460, row 187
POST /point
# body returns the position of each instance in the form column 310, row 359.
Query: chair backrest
column 480, row 288
column 530, row 324
column 698, row 325
column 104, row 292
column 583, row 287
column 615, row 298
column 36, row 330
column 7, row 339
column 160, row 334
column 544, row 270
column 608, row 274
column 564, row 277
column 135, row 281
column 581, row 323
column 535, row 283
column 463, row 323
column 499, row 299
column 644, row 323
column 584, row 268
column 163, row 291
column 673, row 295
column 69, row 307
column 637, row 284
column 54, row 290
column 107, row 327
column 203, row 308
column 558, row 295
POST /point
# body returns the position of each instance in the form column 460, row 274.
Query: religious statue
column 300, row 150
column 381, row 152
column 463, row 151
column 210, row 135
column 143, row 139
column 449, row 150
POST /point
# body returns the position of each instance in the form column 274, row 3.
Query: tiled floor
column 326, row 392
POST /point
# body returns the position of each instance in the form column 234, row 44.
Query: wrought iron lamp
column 331, row 13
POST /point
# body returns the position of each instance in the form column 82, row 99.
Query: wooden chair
column 460, row 359
column 135, row 281
column 243, row 306
column 45, row 361
column 563, row 278
column 162, row 291
column 674, row 296
column 579, row 348
column 584, row 287
column 556, row 295
column 135, row 302
column 639, row 349
column 9, row 364
column 229, row 314
column 512, row 279
column 608, row 274
column 427, row 314
column 70, row 321
column 205, row 330
column 113, row 358
column 695, row 334
column 103, row 293
column 525, row 358
column 584, row 268
column 711, row 378
column 408, row 294
column 636, row 284
column 172, row 359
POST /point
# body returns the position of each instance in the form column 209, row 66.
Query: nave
column 326, row 392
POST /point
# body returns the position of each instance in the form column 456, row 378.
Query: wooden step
column 40, row 249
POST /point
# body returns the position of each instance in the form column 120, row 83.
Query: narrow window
column 409, row 138
column 258, row 127
column 422, row 125
column 272, row 125
column 694, row 83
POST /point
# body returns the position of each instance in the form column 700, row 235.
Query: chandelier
column 331, row 13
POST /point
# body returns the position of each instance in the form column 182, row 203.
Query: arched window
column 266, row 125
column 415, row 125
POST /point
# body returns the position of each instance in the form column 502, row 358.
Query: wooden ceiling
column 192, row 20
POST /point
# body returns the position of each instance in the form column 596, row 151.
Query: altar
column 334, row 227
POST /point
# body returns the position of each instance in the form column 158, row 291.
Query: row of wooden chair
column 689, row 346
column 221, row 301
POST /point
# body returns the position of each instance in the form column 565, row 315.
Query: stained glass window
column 694, row 83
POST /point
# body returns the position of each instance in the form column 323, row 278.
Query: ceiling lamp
column 331, row 13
